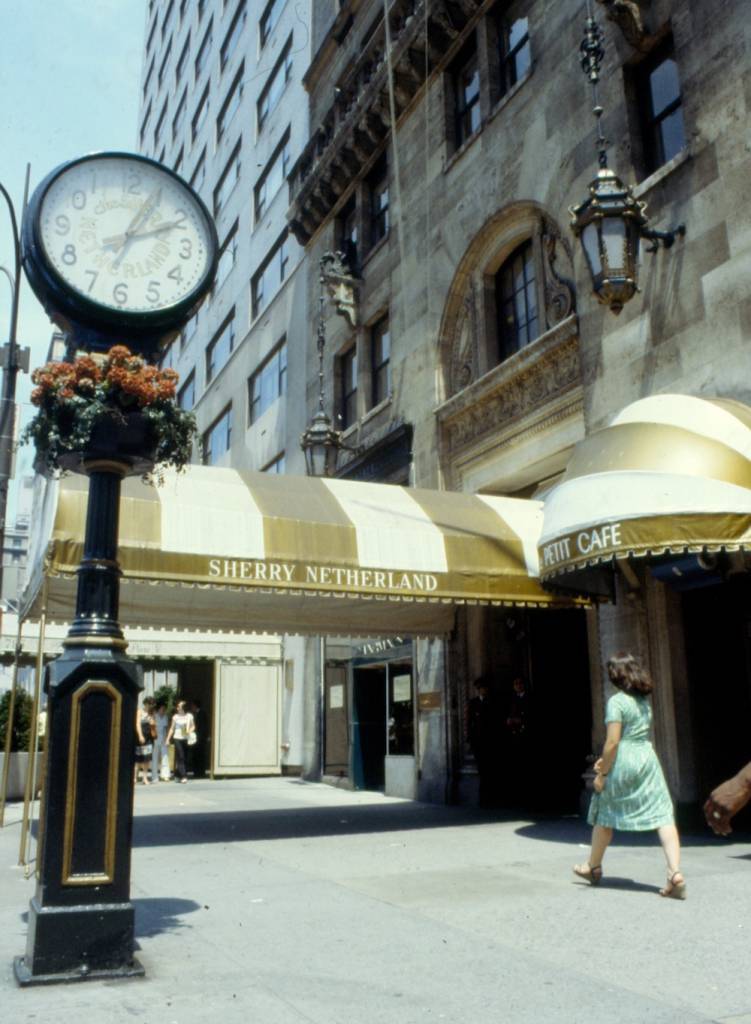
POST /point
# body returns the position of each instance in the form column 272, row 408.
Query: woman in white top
column 181, row 727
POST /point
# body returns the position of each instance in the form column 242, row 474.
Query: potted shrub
column 19, row 744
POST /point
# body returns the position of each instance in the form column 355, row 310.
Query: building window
column 167, row 17
column 216, row 440
column 227, row 257
column 277, row 465
column 516, row 301
column 274, row 87
column 182, row 64
column 169, row 357
column 163, row 65
column 200, row 115
column 183, row 9
column 150, row 40
column 347, row 232
column 186, row 396
column 380, row 360
column 160, row 124
column 660, row 106
column 233, row 34
column 466, row 95
column 220, row 347
column 204, row 49
column 269, row 18
column 177, row 120
column 177, row 166
column 273, row 177
column 147, row 80
column 269, row 277
column 145, row 123
column 348, row 387
column 378, row 183
column 229, row 178
column 514, row 53
column 268, row 383
column 231, row 104
column 198, row 177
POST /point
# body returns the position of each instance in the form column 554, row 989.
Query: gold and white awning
column 670, row 475
column 221, row 549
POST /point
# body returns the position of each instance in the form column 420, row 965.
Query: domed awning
column 670, row 475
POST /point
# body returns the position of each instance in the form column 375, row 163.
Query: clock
column 118, row 247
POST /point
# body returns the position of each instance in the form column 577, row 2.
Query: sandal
column 675, row 890
column 591, row 873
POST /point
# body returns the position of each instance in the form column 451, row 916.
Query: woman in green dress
column 630, row 789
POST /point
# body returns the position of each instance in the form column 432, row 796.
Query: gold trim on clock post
column 108, row 875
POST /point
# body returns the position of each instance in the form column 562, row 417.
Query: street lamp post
column 12, row 359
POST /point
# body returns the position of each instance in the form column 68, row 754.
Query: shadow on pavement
column 296, row 823
column 625, row 884
column 575, row 830
column 161, row 915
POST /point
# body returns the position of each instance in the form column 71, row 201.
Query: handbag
column 144, row 750
column 192, row 739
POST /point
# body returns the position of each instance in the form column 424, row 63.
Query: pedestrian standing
column 181, row 727
column 145, row 732
column 630, row 789
column 160, row 756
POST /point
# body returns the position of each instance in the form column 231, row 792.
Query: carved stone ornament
column 508, row 397
column 560, row 297
column 464, row 360
column 342, row 287
column 628, row 17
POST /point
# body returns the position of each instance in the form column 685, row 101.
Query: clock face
column 125, row 234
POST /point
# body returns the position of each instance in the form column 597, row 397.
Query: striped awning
column 221, row 549
column 670, row 475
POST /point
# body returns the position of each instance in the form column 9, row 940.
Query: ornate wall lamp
column 611, row 221
column 321, row 442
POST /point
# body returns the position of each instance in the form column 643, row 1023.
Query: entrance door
column 337, row 721
column 540, row 705
column 718, row 656
column 369, row 727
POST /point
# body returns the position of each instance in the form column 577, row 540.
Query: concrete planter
column 16, row 774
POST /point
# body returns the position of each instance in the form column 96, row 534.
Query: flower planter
column 125, row 438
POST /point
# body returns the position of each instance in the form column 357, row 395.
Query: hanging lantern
column 321, row 445
column 609, row 224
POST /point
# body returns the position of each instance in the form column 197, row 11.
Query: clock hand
column 118, row 240
column 141, row 215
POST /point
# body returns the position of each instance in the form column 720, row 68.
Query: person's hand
column 598, row 764
column 599, row 784
column 723, row 802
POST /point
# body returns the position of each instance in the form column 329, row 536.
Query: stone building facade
column 477, row 335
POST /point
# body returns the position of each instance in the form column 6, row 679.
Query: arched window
column 516, row 301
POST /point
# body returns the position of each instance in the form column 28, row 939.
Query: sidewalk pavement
column 276, row 901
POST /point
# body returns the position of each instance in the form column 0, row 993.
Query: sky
column 70, row 73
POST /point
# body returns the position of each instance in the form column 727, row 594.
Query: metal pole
column 8, row 399
column 30, row 773
column 322, row 703
column 9, row 725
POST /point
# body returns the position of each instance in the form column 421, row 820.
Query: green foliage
column 21, row 720
column 166, row 694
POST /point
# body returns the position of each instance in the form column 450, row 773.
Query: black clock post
column 81, row 919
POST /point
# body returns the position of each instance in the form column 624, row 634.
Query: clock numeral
column 63, row 224
column 176, row 274
column 78, row 200
column 93, row 274
column 152, row 292
column 120, row 293
column 186, row 248
column 69, row 255
column 179, row 221
column 133, row 186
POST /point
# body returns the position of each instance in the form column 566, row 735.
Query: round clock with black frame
column 118, row 248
